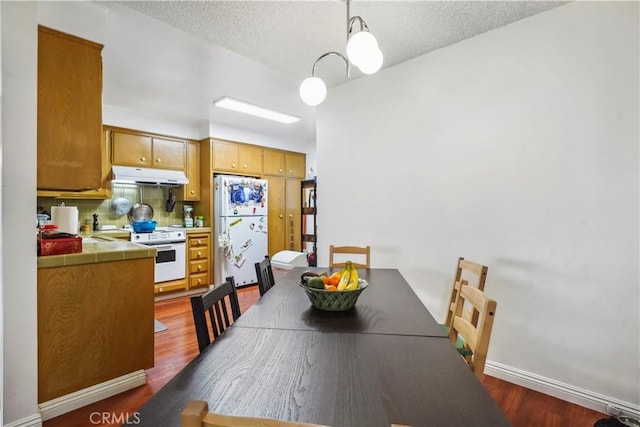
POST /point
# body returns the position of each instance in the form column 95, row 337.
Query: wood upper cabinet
column 236, row 157
column 294, row 165
column 191, row 191
column 149, row 151
column 284, row 163
column 69, row 112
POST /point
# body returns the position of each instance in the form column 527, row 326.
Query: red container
column 60, row 246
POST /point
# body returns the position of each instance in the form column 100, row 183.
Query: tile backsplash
column 154, row 196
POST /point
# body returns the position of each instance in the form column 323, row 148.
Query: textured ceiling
column 290, row 35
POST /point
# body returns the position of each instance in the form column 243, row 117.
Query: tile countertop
column 98, row 248
column 123, row 233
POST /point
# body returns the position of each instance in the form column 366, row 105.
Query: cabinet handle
column 143, row 159
column 193, row 191
column 199, row 268
column 290, row 172
column 160, row 289
column 233, row 165
column 244, row 166
column 199, row 254
column 281, row 216
column 158, row 160
column 199, row 242
column 199, row 281
column 281, row 170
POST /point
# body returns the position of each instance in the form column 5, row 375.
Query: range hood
column 148, row 176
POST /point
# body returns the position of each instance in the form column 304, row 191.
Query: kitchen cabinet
column 191, row 191
column 199, row 259
column 239, row 158
column 284, row 163
column 104, row 192
column 284, row 214
column 132, row 148
column 95, row 323
column 69, row 122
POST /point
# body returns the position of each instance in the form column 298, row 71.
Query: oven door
column 170, row 262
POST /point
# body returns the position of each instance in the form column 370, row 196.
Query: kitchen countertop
column 99, row 248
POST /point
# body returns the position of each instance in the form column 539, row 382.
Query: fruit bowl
column 334, row 300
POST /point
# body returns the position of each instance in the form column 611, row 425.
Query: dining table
column 386, row 361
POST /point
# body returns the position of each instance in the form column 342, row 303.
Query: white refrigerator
column 240, row 227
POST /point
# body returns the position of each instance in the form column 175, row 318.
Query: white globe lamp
column 313, row 91
column 372, row 63
column 360, row 46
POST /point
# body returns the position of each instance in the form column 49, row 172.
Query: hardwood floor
column 176, row 346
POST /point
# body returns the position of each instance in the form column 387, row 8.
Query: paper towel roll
column 66, row 218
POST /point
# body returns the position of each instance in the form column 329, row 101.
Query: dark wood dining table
column 371, row 366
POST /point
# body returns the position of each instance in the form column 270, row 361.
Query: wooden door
column 276, row 214
column 191, row 191
column 273, row 162
column 295, row 165
column 224, row 156
column 293, row 214
column 69, row 112
column 250, row 159
column 130, row 149
column 169, row 153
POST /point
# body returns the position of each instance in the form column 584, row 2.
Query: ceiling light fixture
column 362, row 51
column 254, row 110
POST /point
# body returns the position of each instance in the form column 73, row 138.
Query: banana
column 349, row 280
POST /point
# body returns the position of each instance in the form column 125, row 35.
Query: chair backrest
column 196, row 414
column 363, row 253
column 265, row 275
column 476, row 336
column 215, row 304
column 472, row 274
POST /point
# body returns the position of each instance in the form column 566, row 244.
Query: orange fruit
column 330, row 288
column 334, row 279
column 325, row 279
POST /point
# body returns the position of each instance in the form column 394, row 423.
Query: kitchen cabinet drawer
column 200, row 252
column 201, row 266
column 199, row 240
column 174, row 285
column 196, row 280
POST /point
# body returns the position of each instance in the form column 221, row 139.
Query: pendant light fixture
column 362, row 51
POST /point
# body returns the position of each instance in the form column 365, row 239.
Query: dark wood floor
column 176, row 346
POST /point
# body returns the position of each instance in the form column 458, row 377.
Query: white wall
column 518, row 149
column 18, row 183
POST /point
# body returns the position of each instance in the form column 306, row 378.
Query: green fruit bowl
column 334, row 300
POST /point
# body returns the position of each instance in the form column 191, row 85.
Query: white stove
column 160, row 235
column 170, row 244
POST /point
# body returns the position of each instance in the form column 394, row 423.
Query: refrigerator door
column 240, row 196
column 246, row 244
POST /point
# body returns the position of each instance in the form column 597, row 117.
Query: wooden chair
column 265, row 275
column 214, row 303
column 196, row 414
column 475, row 336
column 360, row 252
column 470, row 273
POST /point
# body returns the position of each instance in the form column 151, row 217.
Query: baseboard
column 566, row 392
column 31, row 421
column 78, row 399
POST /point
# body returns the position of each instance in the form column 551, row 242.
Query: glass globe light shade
column 372, row 63
column 359, row 46
column 313, row 91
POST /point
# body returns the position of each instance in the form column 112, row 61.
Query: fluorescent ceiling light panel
column 254, row 110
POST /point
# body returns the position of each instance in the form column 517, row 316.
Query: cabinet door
column 273, row 162
column 250, row 159
column 295, row 165
column 224, row 156
column 130, row 150
column 293, row 214
column 69, row 123
column 168, row 153
column 276, row 212
column 191, row 191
